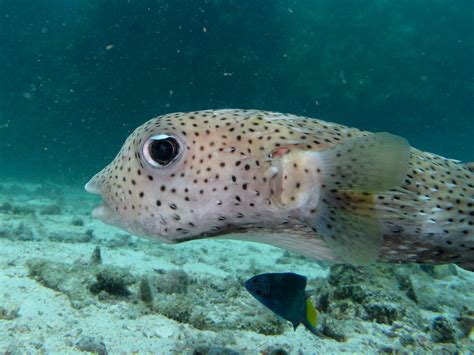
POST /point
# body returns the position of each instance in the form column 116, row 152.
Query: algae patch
column 395, row 297
column 204, row 303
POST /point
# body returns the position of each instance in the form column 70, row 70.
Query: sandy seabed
column 70, row 284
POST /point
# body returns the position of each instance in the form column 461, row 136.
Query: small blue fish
column 284, row 294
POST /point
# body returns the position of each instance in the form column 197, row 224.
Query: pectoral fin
column 355, row 238
column 347, row 217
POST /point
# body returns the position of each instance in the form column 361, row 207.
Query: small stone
column 11, row 262
column 382, row 313
column 103, row 296
column 388, row 350
column 442, row 331
column 38, row 344
column 407, row 340
column 77, row 304
column 172, row 282
column 9, row 312
column 71, row 237
column 439, row 271
column 214, row 350
column 114, row 281
column 22, row 210
column 92, row 345
column 23, row 233
column 466, row 322
column 275, row 351
column 146, row 294
column 406, row 284
column 51, row 210
column 13, row 349
column 96, row 258
column 5, row 207
column 78, row 222
column 331, row 330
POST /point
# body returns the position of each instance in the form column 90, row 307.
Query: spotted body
column 317, row 188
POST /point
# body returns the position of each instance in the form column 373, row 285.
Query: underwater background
column 76, row 77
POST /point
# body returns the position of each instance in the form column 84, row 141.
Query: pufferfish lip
column 103, row 211
column 92, row 188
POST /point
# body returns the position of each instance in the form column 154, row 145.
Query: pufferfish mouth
column 103, row 211
column 92, row 188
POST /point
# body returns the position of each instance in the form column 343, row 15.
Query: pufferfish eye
column 161, row 150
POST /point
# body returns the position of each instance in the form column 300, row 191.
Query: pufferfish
column 316, row 188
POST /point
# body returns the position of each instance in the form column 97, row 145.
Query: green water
column 77, row 76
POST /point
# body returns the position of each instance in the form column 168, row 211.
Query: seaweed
column 50, row 210
column 203, row 303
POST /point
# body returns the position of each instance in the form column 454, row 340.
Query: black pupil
column 163, row 151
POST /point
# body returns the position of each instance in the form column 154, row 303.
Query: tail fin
column 310, row 320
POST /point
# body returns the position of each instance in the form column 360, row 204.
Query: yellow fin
column 311, row 313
